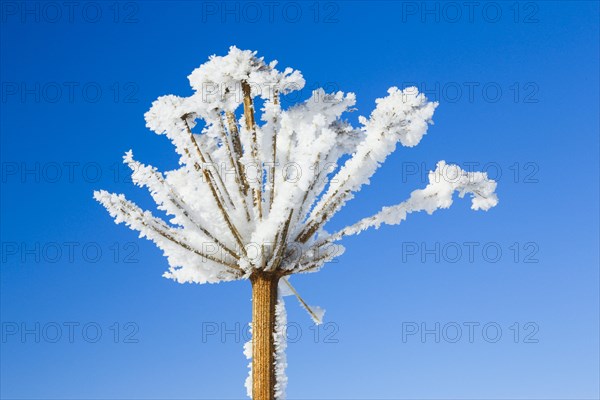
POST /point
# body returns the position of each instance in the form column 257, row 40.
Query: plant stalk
column 264, row 300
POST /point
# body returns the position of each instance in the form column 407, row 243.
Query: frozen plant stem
column 237, row 212
column 264, row 300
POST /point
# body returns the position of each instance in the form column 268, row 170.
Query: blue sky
column 518, row 90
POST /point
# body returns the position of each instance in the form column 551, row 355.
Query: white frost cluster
column 255, row 187
column 248, row 354
column 257, row 182
column 280, row 346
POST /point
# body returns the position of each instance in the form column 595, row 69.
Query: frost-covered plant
column 251, row 197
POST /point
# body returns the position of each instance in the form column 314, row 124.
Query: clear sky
column 461, row 304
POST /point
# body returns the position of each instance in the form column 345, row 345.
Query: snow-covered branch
column 179, row 247
column 402, row 117
column 446, row 180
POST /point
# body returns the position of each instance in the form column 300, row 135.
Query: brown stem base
column 264, row 300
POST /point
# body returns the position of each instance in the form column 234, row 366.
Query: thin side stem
column 215, row 194
column 251, row 127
